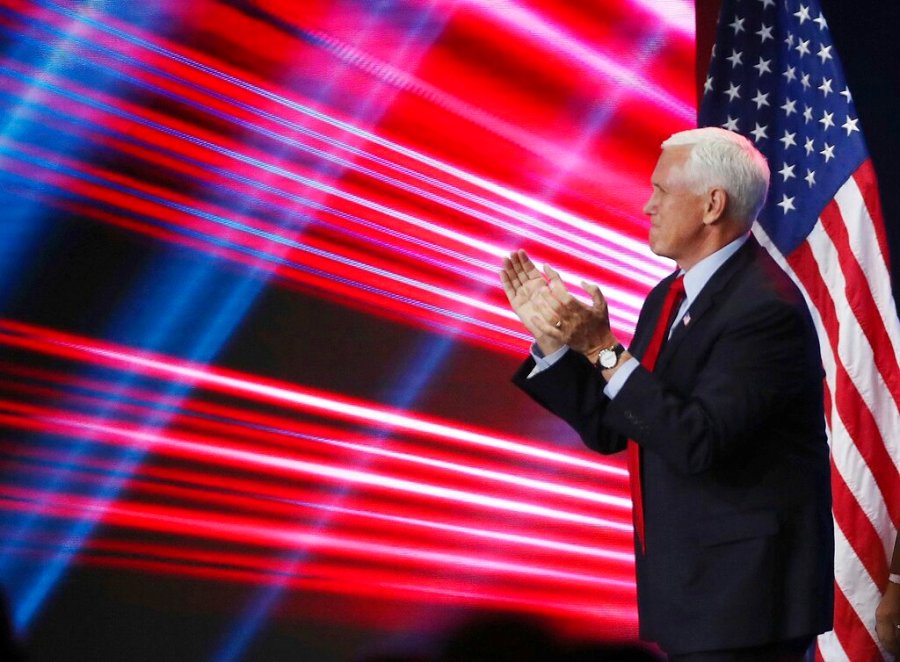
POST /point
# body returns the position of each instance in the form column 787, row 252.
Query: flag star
column 810, row 178
column 763, row 66
column 767, row 3
column 789, row 107
column 787, row 172
column 761, row 99
column 737, row 25
column 786, row 204
column 735, row 58
column 809, row 146
column 790, row 74
column 759, row 132
column 826, row 86
column 850, row 125
column 804, row 81
column 807, row 113
column 824, row 52
column 827, row 120
column 803, row 14
column 731, row 124
column 828, row 152
column 732, row 92
column 765, row 33
column 821, row 21
column 708, row 85
column 789, row 40
column 846, row 94
column 803, row 47
column 788, row 139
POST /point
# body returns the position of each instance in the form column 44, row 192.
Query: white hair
column 721, row 158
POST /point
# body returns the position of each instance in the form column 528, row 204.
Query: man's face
column 676, row 213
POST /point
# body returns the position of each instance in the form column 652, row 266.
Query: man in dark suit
column 719, row 400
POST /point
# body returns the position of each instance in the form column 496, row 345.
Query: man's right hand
column 525, row 287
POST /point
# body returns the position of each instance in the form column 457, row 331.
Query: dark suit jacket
column 737, row 501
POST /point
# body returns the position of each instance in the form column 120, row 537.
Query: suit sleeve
column 573, row 391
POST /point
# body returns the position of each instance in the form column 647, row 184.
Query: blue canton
column 774, row 77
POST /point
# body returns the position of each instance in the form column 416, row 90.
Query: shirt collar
column 696, row 278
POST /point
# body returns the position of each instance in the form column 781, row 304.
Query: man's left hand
column 583, row 328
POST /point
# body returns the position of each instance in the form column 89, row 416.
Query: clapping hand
column 547, row 309
column 528, row 293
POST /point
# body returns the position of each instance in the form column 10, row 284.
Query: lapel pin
column 686, row 319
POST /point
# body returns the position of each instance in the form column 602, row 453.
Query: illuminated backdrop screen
column 254, row 388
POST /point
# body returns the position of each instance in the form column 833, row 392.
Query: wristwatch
column 608, row 358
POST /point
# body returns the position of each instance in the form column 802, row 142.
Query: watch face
column 607, row 358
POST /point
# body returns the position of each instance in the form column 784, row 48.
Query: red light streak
column 455, row 302
column 203, row 449
column 261, row 531
column 247, row 479
column 247, row 531
column 294, row 505
column 546, row 34
column 382, row 168
column 274, row 243
column 141, row 362
column 285, row 461
column 573, row 610
column 619, row 240
column 276, row 437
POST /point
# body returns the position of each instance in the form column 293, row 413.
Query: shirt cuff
column 617, row 381
column 542, row 362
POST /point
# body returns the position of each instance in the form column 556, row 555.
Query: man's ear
column 714, row 209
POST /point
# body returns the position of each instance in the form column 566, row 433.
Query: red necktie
column 674, row 297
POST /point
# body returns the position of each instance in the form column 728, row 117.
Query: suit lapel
column 706, row 300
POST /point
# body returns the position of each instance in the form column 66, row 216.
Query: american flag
column 775, row 77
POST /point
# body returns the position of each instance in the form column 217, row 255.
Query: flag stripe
column 872, row 257
column 863, row 404
column 857, row 528
column 853, row 348
column 854, row 630
column 862, row 401
column 855, row 417
column 867, row 183
column 847, row 402
column 869, row 436
column 829, row 648
column 859, row 296
column 860, row 555
column 850, row 632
